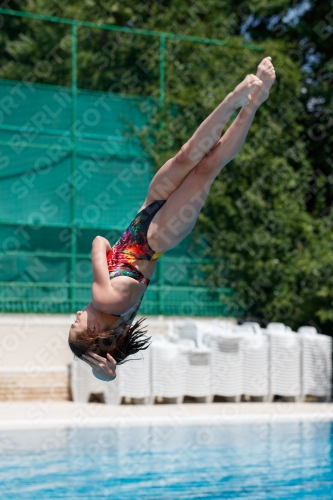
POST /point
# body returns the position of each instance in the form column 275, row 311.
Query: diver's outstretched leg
column 178, row 215
column 171, row 175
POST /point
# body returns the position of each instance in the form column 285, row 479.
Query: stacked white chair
column 285, row 361
column 135, row 377
column 168, row 370
column 179, row 330
column 196, row 359
column 197, row 370
column 174, row 328
column 84, row 383
column 251, row 326
column 255, row 368
column 316, row 363
column 226, row 345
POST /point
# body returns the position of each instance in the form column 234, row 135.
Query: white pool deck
column 34, row 415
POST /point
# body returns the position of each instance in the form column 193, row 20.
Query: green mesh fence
column 68, row 172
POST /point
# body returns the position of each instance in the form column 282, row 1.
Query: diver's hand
column 102, row 368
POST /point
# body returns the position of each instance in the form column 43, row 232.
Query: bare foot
column 241, row 96
column 266, row 73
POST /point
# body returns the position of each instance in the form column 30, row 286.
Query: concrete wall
column 32, row 340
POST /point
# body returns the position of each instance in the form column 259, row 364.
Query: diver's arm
column 104, row 297
column 99, row 264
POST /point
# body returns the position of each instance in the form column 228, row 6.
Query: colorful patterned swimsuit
column 131, row 246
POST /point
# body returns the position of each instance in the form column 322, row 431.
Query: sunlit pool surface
column 252, row 461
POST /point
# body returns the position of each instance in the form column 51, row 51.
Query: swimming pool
column 252, row 461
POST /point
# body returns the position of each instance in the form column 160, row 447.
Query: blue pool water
column 252, row 461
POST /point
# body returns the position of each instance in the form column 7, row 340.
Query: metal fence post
column 160, row 263
column 73, row 167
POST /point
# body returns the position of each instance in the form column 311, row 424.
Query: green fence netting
column 67, row 169
column 59, row 190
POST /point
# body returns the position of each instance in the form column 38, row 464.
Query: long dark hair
column 120, row 342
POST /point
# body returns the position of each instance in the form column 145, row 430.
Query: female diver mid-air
column 103, row 334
